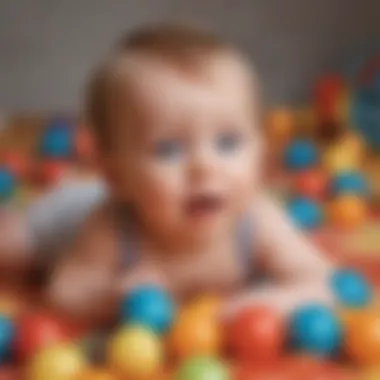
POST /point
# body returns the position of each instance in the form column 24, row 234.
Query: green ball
column 202, row 368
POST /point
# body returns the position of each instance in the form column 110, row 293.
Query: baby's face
column 193, row 155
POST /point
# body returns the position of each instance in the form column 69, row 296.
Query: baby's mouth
column 203, row 205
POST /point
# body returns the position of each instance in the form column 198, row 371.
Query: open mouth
column 203, row 205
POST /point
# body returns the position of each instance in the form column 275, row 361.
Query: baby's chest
column 220, row 271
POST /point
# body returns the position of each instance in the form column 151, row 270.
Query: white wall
column 48, row 46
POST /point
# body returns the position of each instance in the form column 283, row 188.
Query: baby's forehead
column 221, row 84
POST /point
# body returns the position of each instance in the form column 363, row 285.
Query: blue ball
column 351, row 289
column 305, row 213
column 6, row 337
column 300, row 154
column 148, row 306
column 314, row 329
column 57, row 142
column 7, row 183
column 349, row 182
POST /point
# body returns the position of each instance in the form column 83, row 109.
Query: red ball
column 256, row 334
column 49, row 173
column 311, row 184
column 16, row 163
column 37, row 330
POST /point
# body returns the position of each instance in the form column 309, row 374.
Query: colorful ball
column 311, row 184
column 148, row 306
column 62, row 362
column 305, row 213
column 256, row 334
column 349, row 183
column 135, row 352
column 300, row 154
column 49, row 173
column 202, row 368
column 57, row 141
column 6, row 337
column 347, row 211
column 37, row 331
column 315, row 329
column 351, row 289
column 280, row 124
column 196, row 331
column 362, row 338
column 7, row 183
column 16, row 163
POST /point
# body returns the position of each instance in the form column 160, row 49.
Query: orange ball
column 196, row 331
column 280, row 124
column 256, row 334
column 49, row 173
column 362, row 340
column 96, row 374
column 311, row 184
column 347, row 211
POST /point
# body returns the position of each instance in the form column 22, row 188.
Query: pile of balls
column 155, row 341
column 60, row 145
column 317, row 194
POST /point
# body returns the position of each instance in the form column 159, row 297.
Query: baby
column 176, row 119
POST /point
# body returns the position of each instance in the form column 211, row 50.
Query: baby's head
column 175, row 116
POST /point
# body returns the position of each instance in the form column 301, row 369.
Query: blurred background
column 47, row 47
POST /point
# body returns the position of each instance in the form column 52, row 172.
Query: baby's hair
column 181, row 47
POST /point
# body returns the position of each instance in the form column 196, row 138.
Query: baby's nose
column 202, row 164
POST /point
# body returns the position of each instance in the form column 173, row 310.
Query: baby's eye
column 167, row 149
column 228, row 142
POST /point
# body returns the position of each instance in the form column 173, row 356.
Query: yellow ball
column 61, row 362
column 135, row 352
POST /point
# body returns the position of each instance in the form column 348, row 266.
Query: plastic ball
column 62, row 362
column 362, row 338
column 338, row 159
column 16, row 163
column 311, row 184
column 196, row 331
column 347, row 211
column 7, row 183
column 202, row 368
column 301, row 154
column 49, row 173
column 280, row 124
column 6, row 337
column 37, row 331
column 329, row 94
column 315, row 329
column 351, row 289
column 57, row 142
column 256, row 334
column 148, row 306
column 349, row 182
column 305, row 213
column 135, row 352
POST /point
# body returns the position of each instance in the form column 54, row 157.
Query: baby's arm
column 89, row 281
column 301, row 271
column 49, row 222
